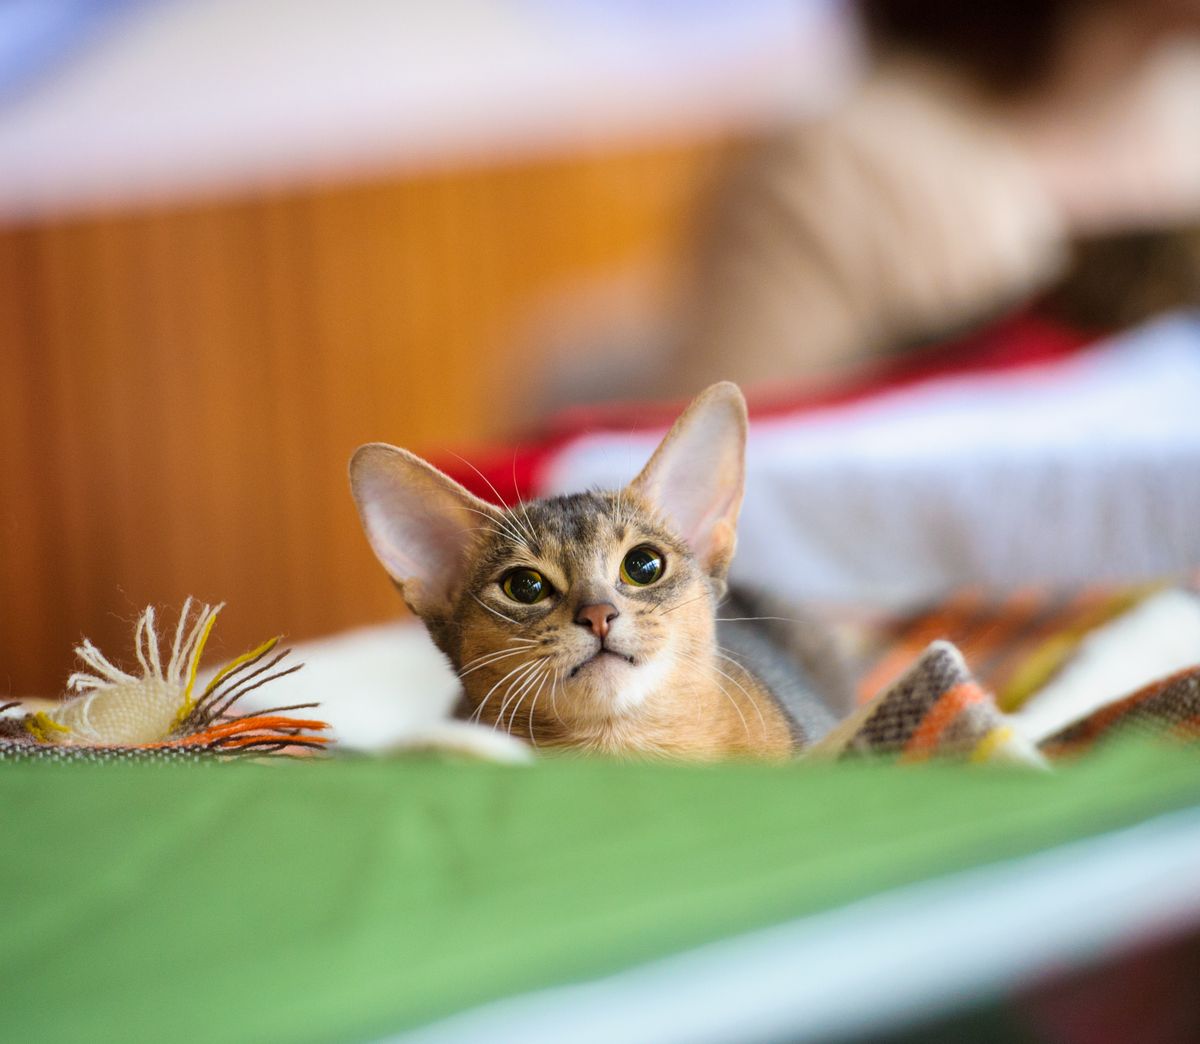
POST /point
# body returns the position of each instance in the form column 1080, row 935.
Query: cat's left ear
column 698, row 474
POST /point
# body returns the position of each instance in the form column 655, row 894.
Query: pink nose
column 597, row 617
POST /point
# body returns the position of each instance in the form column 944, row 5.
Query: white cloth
column 1083, row 470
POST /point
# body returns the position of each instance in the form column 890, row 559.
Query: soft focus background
column 240, row 237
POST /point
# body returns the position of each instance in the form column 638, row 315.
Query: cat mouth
column 599, row 655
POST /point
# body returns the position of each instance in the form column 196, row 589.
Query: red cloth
column 1023, row 340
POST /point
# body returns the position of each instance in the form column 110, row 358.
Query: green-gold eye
column 525, row 585
column 642, row 566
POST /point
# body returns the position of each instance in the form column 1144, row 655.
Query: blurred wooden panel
column 180, row 390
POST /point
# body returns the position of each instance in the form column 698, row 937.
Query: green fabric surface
column 347, row 899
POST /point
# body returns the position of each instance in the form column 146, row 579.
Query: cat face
column 575, row 611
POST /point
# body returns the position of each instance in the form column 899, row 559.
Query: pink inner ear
column 698, row 501
column 418, row 522
column 416, row 545
column 696, row 477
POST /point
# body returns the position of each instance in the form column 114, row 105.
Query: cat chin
column 618, row 683
column 600, row 678
column 599, row 661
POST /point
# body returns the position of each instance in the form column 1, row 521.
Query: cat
column 589, row 621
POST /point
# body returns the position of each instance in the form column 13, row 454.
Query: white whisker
column 521, row 643
column 688, row 661
column 494, row 611
column 482, row 476
column 494, row 659
column 688, row 602
column 476, row 715
column 513, row 679
column 521, row 502
column 753, row 702
column 553, row 689
column 526, row 681
column 510, row 529
column 533, row 706
column 529, row 532
column 716, row 651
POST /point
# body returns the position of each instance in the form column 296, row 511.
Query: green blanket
column 348, row 899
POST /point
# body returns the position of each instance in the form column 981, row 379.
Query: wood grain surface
column 180, row 388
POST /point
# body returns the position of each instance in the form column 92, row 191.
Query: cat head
column 572, row 609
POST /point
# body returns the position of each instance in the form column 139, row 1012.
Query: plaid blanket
column 954, row 697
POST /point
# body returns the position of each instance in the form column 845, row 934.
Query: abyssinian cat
column 590, row 621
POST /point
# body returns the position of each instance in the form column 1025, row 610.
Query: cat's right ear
column 698, row 474
column 419, row 522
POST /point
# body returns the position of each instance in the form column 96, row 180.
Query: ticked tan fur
column 657, row 683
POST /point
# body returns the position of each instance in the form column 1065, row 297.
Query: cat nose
column 597, row 617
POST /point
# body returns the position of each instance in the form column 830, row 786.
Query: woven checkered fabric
column 1169, row 707
column 1014, row 643
column 938, row 709
column 935, row 709
column 42, row 752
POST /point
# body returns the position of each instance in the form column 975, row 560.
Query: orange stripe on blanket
column 1086, row 731
column 924, row 740
column 1009, row 619
column 914, row 635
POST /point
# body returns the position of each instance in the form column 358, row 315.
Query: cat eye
column 525, row 585
column 643, row 565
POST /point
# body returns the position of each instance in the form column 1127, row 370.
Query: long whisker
column 753, row 702
column 688, row 602
column 728, row 677
column 483, row 529
column 476, row 715
column 533, row 707
column 491, row 486
column 553, row 690
column 482, row 476
column 694, row 666
column 523, row 687
column 519, row 679
column 510, row 529
column 495, row 658
column 495, row 611
column 492, row 653
column 521, row 501
column 521, row 644
column 525, row 526
column 509, row 642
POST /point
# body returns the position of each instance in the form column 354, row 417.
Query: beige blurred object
column 909, row 210
column 1125, row 158
column 927, row 204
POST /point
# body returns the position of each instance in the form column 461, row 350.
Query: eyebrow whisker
column 495, row 611
column 509, row 527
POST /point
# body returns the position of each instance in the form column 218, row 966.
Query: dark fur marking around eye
column 566, row 527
